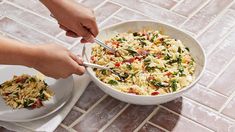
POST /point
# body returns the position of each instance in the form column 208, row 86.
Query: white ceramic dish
column 195, row 50
column 62, row 88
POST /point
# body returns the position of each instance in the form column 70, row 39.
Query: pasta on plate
column 146, row 63
column 25, row 91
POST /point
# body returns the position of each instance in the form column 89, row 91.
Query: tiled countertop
column 209, row 106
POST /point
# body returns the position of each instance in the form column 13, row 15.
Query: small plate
column 62, row 89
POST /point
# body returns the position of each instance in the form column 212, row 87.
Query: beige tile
column 206, row 97
column 150, row 128
column 71, row 117
column 187, row 7
column 105, row 11
column 127, row 14
column 229, row 109
column 164, row 3
column 173, row 122
column 131, row 118
column 109, row 22
column 154, row 12
column 92, row 94
column 206, row 15
column 92, row 3
column 22, row 32
column 100, row 115
column 225, row 83
column 200, row 115
column 206, row 78
column 217, row 31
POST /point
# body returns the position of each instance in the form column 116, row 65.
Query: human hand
column 56, row 61
column 75, row 19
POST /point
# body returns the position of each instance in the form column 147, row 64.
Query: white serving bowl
column 195, row 50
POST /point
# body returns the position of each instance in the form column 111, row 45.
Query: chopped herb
column 179, row 59
column 175, row 73
column 32, row 79
column 147, row 60
column 174, row 85
column 187, row 49
column 20, row 86
column 104, row 72
column 156, row 83
column 179, row 49
column 143, row 43
column 149, row 69
column 172, row 61
column 167, row 57
column 28, row 102
column 42, row 96
column 112, row 82
column 154, row 37
column 124, row 76
column 135, row 34
column 121, row 40
column 131, row 51
column 129, row 67
column 45, row 83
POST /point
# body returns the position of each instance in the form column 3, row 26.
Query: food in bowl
column 146, row 63
column 25, row 91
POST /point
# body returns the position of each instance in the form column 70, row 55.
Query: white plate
column 62, row 88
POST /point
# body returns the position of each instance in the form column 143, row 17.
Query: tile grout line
column 221, row 72
column 135, row 11
column 210, row 109
column 147, row 119
column 91, row 108
column 14, row 37
column 30, row 11
column 79, row 109
column 176, row 5
column 227, row 102
column 114, row 118
column 157, row 126
column 164, row 9
column 60, row 33
column 186, row 118
column 230, row 97
column 221, row 40
column 215, row 20
column 118, row 18
column 63, row 126
column 99, row 5
column 194, row 13
column 32, row 28
column 211, row 90
column 112, row 15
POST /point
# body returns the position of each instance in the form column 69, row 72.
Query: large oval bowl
column 195, row 50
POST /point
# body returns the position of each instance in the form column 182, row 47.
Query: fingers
column 93, row 27
column 71, row 34
column 63, row 27
column 85, row 33
column 83, row 41
column 77, row 62
column 77, row 59
column 77, row 69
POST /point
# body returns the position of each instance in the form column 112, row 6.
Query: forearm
column 15, row 53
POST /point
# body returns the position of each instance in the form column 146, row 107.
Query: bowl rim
column 160, row 95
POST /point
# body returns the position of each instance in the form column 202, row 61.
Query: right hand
column 75, row 19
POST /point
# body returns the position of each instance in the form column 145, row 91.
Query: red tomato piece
column 155, row 93
column 118, row 64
